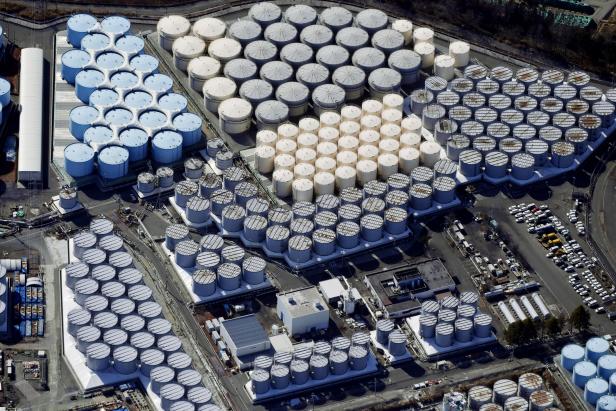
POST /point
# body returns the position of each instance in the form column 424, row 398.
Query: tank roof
column 144, row 63
column 78, row 152
column 124, row 79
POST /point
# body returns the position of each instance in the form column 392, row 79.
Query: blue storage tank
column 189, row 125
column 606, row 366
column 144, row 64
column 118, row 117
column 613, row 384
column 110, row 60
column 606, row 403
column 86, row 82
column 130, row 44
column 98, row 137
column 124, row 80
column 78, row 159
column 595, row 388
column 138, row 99
column 113, row 162
column 570, row 355
column 95, row 42
column 5, row 92
column 153, row 120
column 80, row 119
column 135, row 140
column 582, row 372
column 596, row 347
column 158, row 83
column 28, row 328
column 73, row 61
column 167, row 147
column 79, row 26
column 104, row 98
column 41, row 327
column 173, row 103
column 115, row 25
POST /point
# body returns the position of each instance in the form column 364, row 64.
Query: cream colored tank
column 346, row 158
column 371, row 122
column 329, row 119
column 309, row 125
column 348, row 143
column 372, row 107
column 185, row 49
column 288, row 130
column 387, row 165
column 305, row 155
column 304, row 170
column 392, row 116
column 327, row 149
column 328, row 134
column 410, row 140
column 460, row 51
column 284, row 162
column 404, row 27
column 209, row 29
column 444, row 66
column 426, row 53
column 303, row 189
column 345, row 177
column 393, row 100
column 325, row 164
column 390, row 131
column 389, row 146
column 307, row 140
column 171, row 28
column 429, row 153
column 423, row 35
column 264, row 159
column 286, row 146
column 369, row 137
column 366, row 171
column 282, row 182
column 200, row 70
column 368, row 153
column 350, row 113
column 324, row 183
column 411, row 124
column 266, row 138
column 224, row 49
column 350, row 128
column 408, row 159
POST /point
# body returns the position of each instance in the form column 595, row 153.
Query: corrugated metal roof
column 245, row 330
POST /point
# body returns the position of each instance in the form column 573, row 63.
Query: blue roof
column 138, row 99
column 130, row 44
column 167, row 139
column 84, row 114
column 124, row 79
column 144, row 63
column 153, row 119
column 81, row 22
column 98, row 135
column 187, row 122
column 173, row 102
column 158, row 82
column 90, row 78
column 118, row 116
column 245, row 330
column 75, row 58
column 95, row 41
column 78, row 152
column 104, row 97
column 110, row 60
column 133, row 137
column 5, row 86
column 115, row 25
column 113, row 155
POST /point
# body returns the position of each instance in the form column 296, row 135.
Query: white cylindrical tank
column 170, row 28
column 216, row 90
column 185, row 49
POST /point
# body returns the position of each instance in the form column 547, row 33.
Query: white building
column 244, row 335
column 303, row 311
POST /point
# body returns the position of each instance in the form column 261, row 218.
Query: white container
column 286, row 146
column 327, row 149
column 224, row 49
column 368, row 152
column 390, row 131
column 235, row 115
column 430, row 153
column 302, row 190
column 171, row 28
column 371, row 122
column 305, row 155
column 350, row 113
column 304, row 170
column 460, row 51
column 412, row 140
column 423, row 35
column 200, row 70
column 185, row 49
column 348, row 143
column 284, row 162
column 328, row 134
column 209, row 29
column 216, row 90
column 404, row 27
column 408, row 159
column 426, row 52
column 324, row 183
column 366, row 171
column 387, row 165
column 309, row 125
column 307, row 140
column 389, row 146
column 325, row 164
column 372, row 107
column 288, row 131
column 266, row 138
column 444, row 66
column 412, row 124
column 346, row 158
column 369, row 137
column 345, row 177
column 350, row 128
column 282, row 182
column 329, row 119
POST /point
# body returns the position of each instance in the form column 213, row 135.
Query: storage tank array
column 289, row 371
column 306, row 230
column 453, row 320
column 118, row 327
column 529, row 393
column 130, row 111
column 593, row 369
column 353, row 148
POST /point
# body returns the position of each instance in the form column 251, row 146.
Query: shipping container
column 28, row 328
column 41, row 327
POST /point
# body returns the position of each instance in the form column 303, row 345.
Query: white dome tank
column 460, row 51
column 185, row 49
column 216, row 90
column 209, row 29
column 235, row 115
column 170, row 28
column 200, row 70
column 224, row 49
column 426, row 53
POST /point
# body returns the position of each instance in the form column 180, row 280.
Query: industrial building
column 399, row 292
column 244, row 336
column 302, row 311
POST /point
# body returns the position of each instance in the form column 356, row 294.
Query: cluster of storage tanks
column 274, row 64
column 118, row 327
column 390, row 338
column 4, row 298
column 130, row 112
column 453, row 320
column 5, row 87
column 593, row 369
column 213, row 264
column 306, row 230
column 499, row 123
column 291, row 370
column 512, row 310
column 528, row 393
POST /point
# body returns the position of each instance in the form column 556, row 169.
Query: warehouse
column 303, row 311
column 244, row 336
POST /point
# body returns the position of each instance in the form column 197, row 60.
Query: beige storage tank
column 264, row 159
column 307, row 140
column 346, row 158
column 171, row 28
column 288, row 131
column 327, row 149
column 216, row 90
column 235, row 115
column 387, row 165
column 389, row 146
column 224, row 49
column 423, row 35
column 286, row 146
column 209, row 29
column 444, row 66
column 200, row 70
column 460, row 51
column 345, row 177
column 391, row 116
column 284, row 162
column 282, row 183
column 304, row 170
column 324, row 183
column 350, row 128
column 430, row 153
column 390, row 131
column 412, row 124
column 309, row 125
column 372, row 107
column 329, row 119
column 305, row 155
column 426, row 52
column 366, row 171
column 185, row 49
column 408, row 159
column 325, row 164
column 412, row 140
column 350, row 113
column 404, row 27
column 266, row 138
column 302, row 190
column 371, row 122
column 368, row 152
column 393, row 101
column 369, row 137
column 348, row 143
column 328, row 135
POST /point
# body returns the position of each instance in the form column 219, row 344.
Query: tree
column 520, row 332
column 580, row 318
column 552, row 326
column 529, row 331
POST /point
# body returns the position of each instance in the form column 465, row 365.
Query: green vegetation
column 580, row 319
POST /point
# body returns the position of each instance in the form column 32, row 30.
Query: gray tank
column 300, row 16
column 179, row 361
column 295, row 95
column 78, row 318
column 233, row 218
column 395, row 220
column 368, row 59
column 125, row 359
column 319, row 367
column 351, row 79
column 220, row 199
column 352, row 38
column 455, row 145
column 397, row 198
column 170, row 393
column 300, row 372
column 240, row 70
column 336, row 18
column 384, row 81
column 332, row 57
column 270, row 114
column 281, row 34
column 260, row 380
column 204, row 282
column 419, row 100
column 132, row 324
column 276, row 73
column 233, row 254
column 316, row 36
column 253, row 269
column 98, row 356
column 371, row 20
column 256, row 91
column 159, row 376
column 296, row 55
column 322, row 348
column 303, row 209
column 324, row 241
column 444, row 333
column 85, row 288
column 328, row 97
column 265, row 13
column 260, row 52
column 244, row 31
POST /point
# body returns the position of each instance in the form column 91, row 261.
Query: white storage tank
column 351, row 79
column 352, row 38
column 216, row 90
column 224, row 49
column 170, row 28
column 235, row 115
column 200, row 70
column 244, row 31
column 336, row 18
column 209, row 29
column 383, row 81
column 185, row 49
